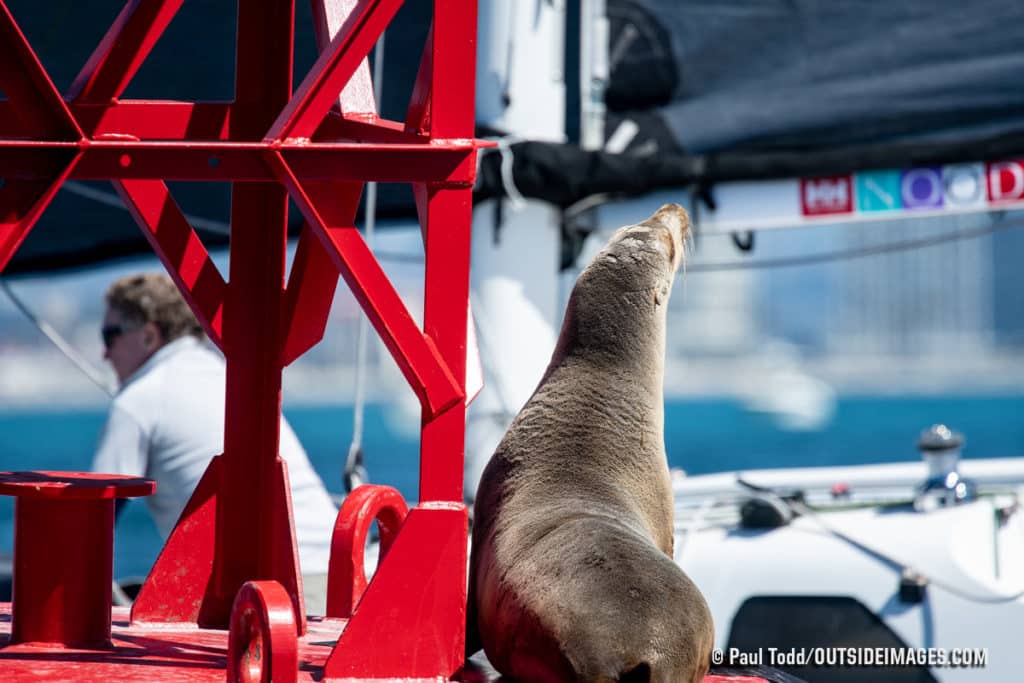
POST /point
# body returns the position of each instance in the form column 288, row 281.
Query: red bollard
column 64, row 555
column 346, row 576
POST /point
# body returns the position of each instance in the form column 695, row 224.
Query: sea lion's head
column 644, row 256
column 657, row 243
column 620, row 297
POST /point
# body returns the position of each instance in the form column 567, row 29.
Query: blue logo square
column 878, row 191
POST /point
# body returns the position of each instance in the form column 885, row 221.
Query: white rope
column 111, row 199
column 508, row 180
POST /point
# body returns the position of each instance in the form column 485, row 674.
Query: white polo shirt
column 167, row 422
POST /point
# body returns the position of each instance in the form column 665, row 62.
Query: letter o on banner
column 922, row 188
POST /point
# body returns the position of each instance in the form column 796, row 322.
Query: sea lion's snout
column 676, row 222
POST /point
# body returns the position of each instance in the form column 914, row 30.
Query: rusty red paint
column 73, row 485
column 262, row 645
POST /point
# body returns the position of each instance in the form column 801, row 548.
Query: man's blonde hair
column 153, row 298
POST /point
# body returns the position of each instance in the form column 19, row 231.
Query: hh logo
column 819, row 196
column 1006, row 181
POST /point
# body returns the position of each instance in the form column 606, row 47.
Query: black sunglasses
column 110, row 333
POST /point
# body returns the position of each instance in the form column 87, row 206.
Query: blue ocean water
column 701, row 436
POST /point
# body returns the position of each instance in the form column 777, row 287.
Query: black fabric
column 643, row 71
column 806, row 75
column 563, row 174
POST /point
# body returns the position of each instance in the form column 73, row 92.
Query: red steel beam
column 414, row 352
column 410, row 622
column 187, row 556
column 40, row 109
column 314, row 276
column 250, row 542
column 328, row 18
column 323, row 85
column 22, row 202
column 242, row 161
column 122, row 50
column 141, row 120
column 308, row 296
column 179, row 248
column 167, row 120
column 453, row 67
column 418, row 116
column 366, row 129
column 447, row 233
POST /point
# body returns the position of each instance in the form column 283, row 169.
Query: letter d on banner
column 1006, row 181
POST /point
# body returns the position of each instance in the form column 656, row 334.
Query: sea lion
column 571, row 572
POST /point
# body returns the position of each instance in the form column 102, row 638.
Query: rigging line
column 904, row 568
column 212, row 225
column 354, row 472
column 808, row 259
column 87, row 368
column 848, row 254
column 111, row 199
column 399, row 257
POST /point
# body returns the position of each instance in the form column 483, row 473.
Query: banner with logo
column 883, row 194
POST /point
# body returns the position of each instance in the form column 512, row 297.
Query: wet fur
column 571, row 574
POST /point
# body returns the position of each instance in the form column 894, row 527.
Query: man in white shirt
column 167, row 419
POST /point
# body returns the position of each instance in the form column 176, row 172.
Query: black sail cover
column 809, row 76
column 701, row 91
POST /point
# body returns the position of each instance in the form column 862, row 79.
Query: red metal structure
column 316, row 144
column 224, row 598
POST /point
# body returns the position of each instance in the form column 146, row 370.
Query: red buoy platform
column 223, row 600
